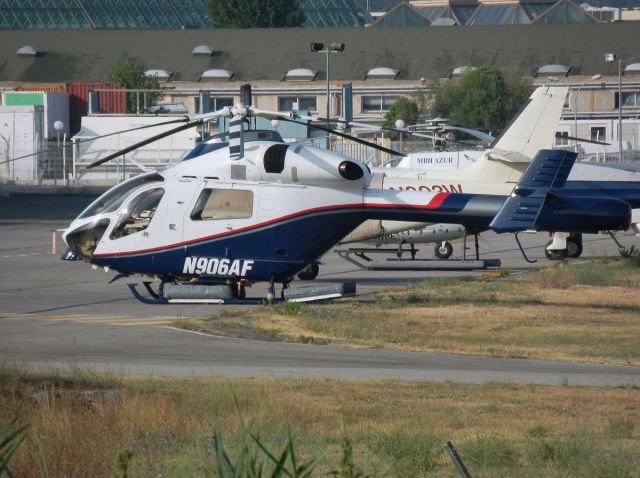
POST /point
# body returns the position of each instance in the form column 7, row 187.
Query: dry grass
column 397, row 429
column 584, row 313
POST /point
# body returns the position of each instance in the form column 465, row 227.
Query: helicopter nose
column 84, row 239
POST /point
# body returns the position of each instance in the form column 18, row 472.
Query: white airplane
column 265, row 210
column 493, row 171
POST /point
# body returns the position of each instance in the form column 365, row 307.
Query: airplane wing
column 535, row 127
column 549, row 169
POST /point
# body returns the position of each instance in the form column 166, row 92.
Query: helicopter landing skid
column 197, row 294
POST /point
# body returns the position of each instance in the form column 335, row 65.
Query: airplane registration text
column 216, row 266
column 439, row 188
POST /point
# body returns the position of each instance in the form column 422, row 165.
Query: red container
column 113, row 101
column 44, row 87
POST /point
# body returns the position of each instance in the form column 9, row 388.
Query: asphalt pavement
column 58, row 314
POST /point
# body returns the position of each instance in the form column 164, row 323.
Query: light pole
column 327, row 49
column 575, row 108
column 400, row 125
column 611, row 57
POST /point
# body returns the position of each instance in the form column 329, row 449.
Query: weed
column 347, row 467
column 258, row 458
column 10, row 439
column 621, row 428
column 188, row 324
column 122, row 464
column 563, row 452
column 557, row 277
column 292, row 308
column 489, row 452
column 538, row 431
column 412, row 453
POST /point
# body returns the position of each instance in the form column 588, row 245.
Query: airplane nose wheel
column 443, row 250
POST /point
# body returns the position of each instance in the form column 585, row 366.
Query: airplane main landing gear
column 574, row 245
column 573, row 249
column 443, row 250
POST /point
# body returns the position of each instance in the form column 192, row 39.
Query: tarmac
column 58, row 314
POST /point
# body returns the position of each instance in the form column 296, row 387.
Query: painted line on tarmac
column 32, row 254
column 83, row 319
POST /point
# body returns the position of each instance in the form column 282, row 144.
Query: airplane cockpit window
column 138, row 213
column 223, row 204
column 112, row 199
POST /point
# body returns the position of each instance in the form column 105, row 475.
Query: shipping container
column 56, row 108
column 44, row 87
column 21, row 131
column 113, row 101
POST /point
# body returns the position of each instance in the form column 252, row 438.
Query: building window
column 304, row 103
column 598, row 133
column 631, row 99
column 562, row 138
column 215, row 102
column 372, row 104
column 223, row 204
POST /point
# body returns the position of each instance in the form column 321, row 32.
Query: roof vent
column 163, row 75
column 27, row 50
column 382, row 73
column 461, row 70
column 202, row 50
column 632, row 69
column 553, row 70
column 217, row 74
column 301, row 74
column 443, row 22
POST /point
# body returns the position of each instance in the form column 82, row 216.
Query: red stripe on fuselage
column 434, row 203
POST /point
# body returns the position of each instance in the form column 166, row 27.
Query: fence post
column 455, row 458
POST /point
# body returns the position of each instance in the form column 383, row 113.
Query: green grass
column 164, row 427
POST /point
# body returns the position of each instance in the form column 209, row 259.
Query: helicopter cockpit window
column 138, row 213
column 223, row 204
column 112, row 199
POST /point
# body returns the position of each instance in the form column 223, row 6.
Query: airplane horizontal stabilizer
column 517, row 214
column 549, row 169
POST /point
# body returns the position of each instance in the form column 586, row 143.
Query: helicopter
column 263, row 210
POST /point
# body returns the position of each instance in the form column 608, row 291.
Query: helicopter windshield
column 138, row 213
column 114, row 197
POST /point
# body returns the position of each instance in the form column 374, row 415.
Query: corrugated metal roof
column 267, row 54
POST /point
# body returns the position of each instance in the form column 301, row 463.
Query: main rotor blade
column 487, row 138
column 92, row 138
column 164, row 134
column 583, row 140
column 347, row 136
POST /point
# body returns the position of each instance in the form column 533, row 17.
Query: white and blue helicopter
column 263, row 210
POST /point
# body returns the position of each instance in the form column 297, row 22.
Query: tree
column 404, row 109
column 482, row 97
column 255, row 13
column 130, row 73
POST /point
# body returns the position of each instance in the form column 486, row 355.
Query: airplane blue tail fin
column 549, row 169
